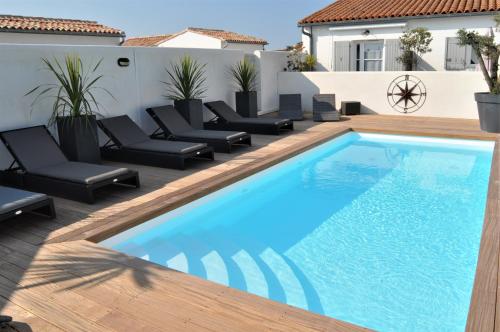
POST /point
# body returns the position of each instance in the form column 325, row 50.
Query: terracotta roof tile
column 56, row 25
column 147, row 41
column 351, row 10
column 229, row 36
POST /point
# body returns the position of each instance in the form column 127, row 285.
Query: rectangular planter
column 246, row 104
column 78, row 138
column 192, row 111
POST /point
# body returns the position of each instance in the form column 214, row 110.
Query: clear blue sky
column 274, row 20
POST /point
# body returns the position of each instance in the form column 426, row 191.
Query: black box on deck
column 351, row 107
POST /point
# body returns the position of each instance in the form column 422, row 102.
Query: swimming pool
column 379, row 230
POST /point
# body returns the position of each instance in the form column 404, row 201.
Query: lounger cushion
column 124, row 131
column 212, row 134
column 34, row 147
column 173, row 147
column 223, row 110
column 81, row 172
column 171, row 120
column 267, row 121
column 14, row 199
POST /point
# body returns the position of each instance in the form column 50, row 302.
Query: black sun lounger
column 128, row 143
column 14, row 202
column 228, row 119
column 42, row 167
column 171, row 125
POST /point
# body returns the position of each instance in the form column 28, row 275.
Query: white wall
column 441, row 28
column 190, row 39
column 45, row 38
column 135, row 87
column 269, row 64
column 449, row 94
column 247, row 48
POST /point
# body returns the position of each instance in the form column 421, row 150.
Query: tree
column 298, row 60
column 484, row 46
column 414, row 42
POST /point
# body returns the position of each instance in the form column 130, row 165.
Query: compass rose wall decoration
column 406, row 94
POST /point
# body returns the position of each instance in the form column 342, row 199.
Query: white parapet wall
column 134, row 88
column 269, row 63
column 449, row 94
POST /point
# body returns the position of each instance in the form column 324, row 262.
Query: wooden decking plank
column 41, row 272
column 211, row 305
column 206, row 295
column 483, row 306
column 25, row 320
column 41, row 305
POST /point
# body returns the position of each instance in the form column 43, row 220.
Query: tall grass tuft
column 187, row 80
column 245, row 75
column 74, row 92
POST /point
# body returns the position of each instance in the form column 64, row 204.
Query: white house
column 202, row 38
column 42, row 30
column 363, row 35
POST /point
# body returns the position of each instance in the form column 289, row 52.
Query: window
column 369, row 55
column 460, row 57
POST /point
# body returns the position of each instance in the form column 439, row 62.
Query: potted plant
column 299, row 60
column 186, row 88
column 414, row 44
column 245, row 76
column 488, row 103
column 309, row 62
column 75, row 106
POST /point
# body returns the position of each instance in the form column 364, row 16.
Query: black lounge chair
column 228, row 119
column 14, row 202
column 42, row 167
column 171, row 125
column 129, row 143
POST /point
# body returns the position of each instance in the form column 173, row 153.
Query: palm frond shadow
column 87, row 272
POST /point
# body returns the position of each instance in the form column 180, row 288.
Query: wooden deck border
column 484, row 309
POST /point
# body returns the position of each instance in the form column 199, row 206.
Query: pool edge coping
column 483, row 306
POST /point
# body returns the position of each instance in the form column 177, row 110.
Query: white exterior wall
column 135, row 87
column 193, row 40
column 449, row 94
column 138, row 86
column 441, row 28
column 269, row 64
column 247, row 48
column 61, row 39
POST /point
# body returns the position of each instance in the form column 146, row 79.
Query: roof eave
column 58, row 32
column 246, row 42
column 392, row 19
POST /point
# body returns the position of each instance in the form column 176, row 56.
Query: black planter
column 246, row 104
column 192, row 111
column 488, row 106
column 78, row 138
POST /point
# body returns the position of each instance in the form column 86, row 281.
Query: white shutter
column 392, row 52
column 341, row 55
column 455, row 54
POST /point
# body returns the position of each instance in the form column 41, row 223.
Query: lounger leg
column 132, row 181
column 47, row 211
column 181, row 164
column 89, row 196
column 211, row 155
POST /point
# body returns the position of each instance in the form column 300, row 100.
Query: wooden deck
column 52, row 277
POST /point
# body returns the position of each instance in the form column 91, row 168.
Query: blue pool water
column 378, row 230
